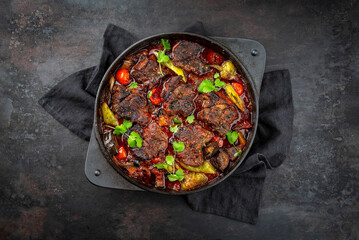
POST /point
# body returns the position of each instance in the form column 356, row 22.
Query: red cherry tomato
column 219, row 140
column 238, row 87
column 213, row 57
column 121, row 153
column 123, row 76
column 156, row 96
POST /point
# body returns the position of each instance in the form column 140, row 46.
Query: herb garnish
column 165, row 44
column 162, row 57
column 232, row 138
column 176, row 176
column 176, row 120
column 178, row 146
column 149, row 94
column 174, row 129
column 134, row 139
column 170, row 161
column 206, row 86
column 133, row 85
column 190, row 118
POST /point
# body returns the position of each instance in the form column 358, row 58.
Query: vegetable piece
column 232, row 136
column 233, row 95
column 238, row 87
column 241, row 138
column 123, row 76
column 169, row 64
column 227, row 70
column 112, row 82
column 110, row 143
column 206, row 86
column 222, row 160
column 210, row 150
column 190, row 119
column 126, row 64
column 134, row 140
column 155, row 96
column 192, row 180
column 205, row 167
column 213, row 57
column 178, row 146
column 108, row 116
column 121, row 153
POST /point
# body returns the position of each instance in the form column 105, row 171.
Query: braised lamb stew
column 175, row 115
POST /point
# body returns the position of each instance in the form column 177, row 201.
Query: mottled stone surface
column 43, row 189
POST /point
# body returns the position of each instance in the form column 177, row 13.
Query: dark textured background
column 43, row 189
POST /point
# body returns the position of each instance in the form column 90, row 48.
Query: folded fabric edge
column 42, row 102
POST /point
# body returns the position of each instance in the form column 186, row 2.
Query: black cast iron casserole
column 207, row 42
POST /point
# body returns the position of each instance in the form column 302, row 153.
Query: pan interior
column 207, row 42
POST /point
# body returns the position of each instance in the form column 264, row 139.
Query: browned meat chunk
column 231, row 152
column 187, row 55
column 154, row 142
column 147, row 71
column 217, row 113
column 194, row 138
column 178, row 97
column 222, row 160
column 130, row 104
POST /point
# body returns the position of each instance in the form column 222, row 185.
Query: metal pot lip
column 163, row 35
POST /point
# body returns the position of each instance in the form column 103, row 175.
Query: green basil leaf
column 133, row 85
column 232, row 136
column 162, row 57
column 134, row 140
column 238, row 153
column 190, row 119
column 178, row 146
column 174, row 129
column 219, row 83
column 180, row 174
column 117, row 130
column 216, row 75
column 165, row 44
column 176, row 120
column 170, row 160
column 127, row 123
column 172, row 177
column 206, row 86
column 161, row 166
